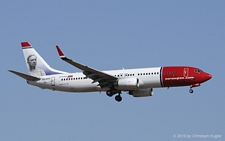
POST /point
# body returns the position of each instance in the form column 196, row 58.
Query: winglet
column 60, row 52
column 26, row 45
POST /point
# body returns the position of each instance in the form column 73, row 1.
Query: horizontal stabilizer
column 25, row 76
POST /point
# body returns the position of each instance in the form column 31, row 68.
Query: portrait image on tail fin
column 32, row 63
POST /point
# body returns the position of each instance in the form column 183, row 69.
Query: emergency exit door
column 53, row 81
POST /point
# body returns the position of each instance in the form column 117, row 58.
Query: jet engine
column 127, row 84
column 141, row 92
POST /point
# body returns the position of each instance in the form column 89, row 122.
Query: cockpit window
column 198, row 70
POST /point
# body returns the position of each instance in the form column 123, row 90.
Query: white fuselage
column 137, row 82
column 77, row 82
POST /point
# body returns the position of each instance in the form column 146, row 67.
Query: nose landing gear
column 191, row 90
column 193, row 85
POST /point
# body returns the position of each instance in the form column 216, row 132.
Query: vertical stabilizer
column 35, row 63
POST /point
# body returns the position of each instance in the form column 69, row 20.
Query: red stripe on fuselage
column 173, row 76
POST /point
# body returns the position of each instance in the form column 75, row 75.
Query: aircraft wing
column 25, row 76
column 104, row 79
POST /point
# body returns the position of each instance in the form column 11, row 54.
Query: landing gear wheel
column 118, row 98
column 191, row 91
column 109, row 93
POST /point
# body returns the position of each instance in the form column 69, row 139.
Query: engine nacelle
column 141, row 92
column 127, row 84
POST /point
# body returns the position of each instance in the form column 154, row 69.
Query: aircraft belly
column 82, row 86
column 150, row 82
column 41, row 84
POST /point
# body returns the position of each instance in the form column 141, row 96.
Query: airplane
column 136, row 82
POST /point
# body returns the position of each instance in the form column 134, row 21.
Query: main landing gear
column 118, row 98
column 110, row 93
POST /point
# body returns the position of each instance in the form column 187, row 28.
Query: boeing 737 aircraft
column 137, row 82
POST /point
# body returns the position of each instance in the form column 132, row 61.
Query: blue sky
column 113, row 35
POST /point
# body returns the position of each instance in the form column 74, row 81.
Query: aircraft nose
column 208, row 76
